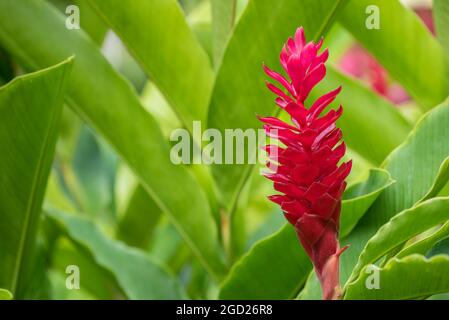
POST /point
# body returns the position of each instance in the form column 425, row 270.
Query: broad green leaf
column 30, row 108
column 401, row 228
column 412, row 277
column 277, row 266
column 239, row 91
column 223, row 19
column 156, row 33
column 416, row 167
column 138, row 275
column 403, row 45
column 109, row 104
column 441, row 16
column 424, row 245
column 5, row 295
column 358, row 198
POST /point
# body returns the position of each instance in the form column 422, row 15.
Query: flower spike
column 307, row 171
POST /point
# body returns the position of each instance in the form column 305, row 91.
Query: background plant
column 86, row 177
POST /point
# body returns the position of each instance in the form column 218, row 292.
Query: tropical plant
column 94, row 203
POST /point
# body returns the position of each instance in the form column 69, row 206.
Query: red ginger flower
column 306, row 170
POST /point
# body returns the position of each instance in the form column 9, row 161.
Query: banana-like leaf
column 157, row 34
column 412, row 277
column 403, row 45
column 277, row 266
column 5, row 295
column 417, row 166
column 239, row 91
column 359, row 197
column 137, row 274
column 441, row 16
column 30, row 108
column 109, row 104
column 401, row 228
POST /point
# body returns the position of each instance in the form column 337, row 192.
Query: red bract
column 306, row 168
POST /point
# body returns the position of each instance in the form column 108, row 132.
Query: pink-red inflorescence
column 306, row 169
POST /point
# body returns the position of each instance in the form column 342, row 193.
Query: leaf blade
column 27, row 158
column 179, row 67
column 117, row 114
column 401, row 228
